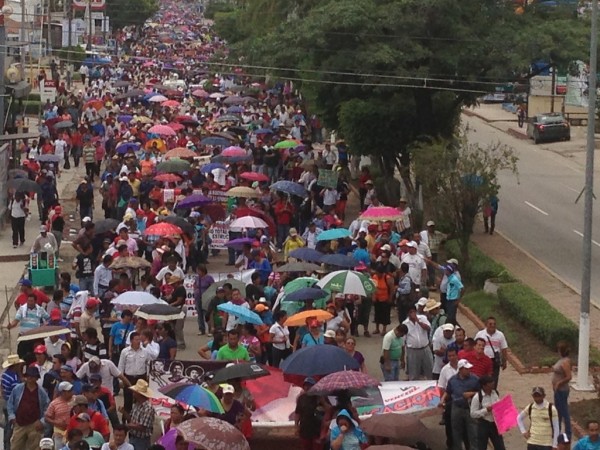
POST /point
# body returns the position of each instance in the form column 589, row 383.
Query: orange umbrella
column 96, row 104
column 299, row 319
column 160, row 144
column 180, row 152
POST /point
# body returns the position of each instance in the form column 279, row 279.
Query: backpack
column 480, row 397
column 549, row 414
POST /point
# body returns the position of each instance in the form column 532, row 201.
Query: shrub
column 480, row 267
column 535, row 313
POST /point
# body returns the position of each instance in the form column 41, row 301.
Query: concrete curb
column 511, row 131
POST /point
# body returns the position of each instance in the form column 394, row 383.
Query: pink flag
column 505, row 414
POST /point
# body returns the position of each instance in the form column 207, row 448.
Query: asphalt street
column 538, row 209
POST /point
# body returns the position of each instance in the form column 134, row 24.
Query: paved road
column 538, row 210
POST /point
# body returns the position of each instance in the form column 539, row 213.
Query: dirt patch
column 585, row 410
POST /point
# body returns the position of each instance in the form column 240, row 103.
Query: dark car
column 548, row 127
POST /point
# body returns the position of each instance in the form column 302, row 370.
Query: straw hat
column 12, row 360
column 175, row 279
column 141, row 387
column 431, row 305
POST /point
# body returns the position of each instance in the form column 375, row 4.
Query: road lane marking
column 570, row 188
column 531, row 205
column 579, row 233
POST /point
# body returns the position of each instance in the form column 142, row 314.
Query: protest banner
column 219, row 235
column 505, row 414
column 328, row 178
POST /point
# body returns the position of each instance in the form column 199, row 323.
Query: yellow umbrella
column 142, row 119
column 159, row 144
column 299, row 319
column 242, row 191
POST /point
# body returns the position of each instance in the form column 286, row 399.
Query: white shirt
column 53, row 348
column 446, row 373
column 416, row 265
column 102, row 277
column 280, row 333
column 124, row 446
column 233, row 321
column 134, row 362
column 330, row 197
column 108, row 371
column 59, row 148
column 439, row 341
column 417, row 337
column 177, row 272
column 479, row 409
column 498, row 342
column 423, row 250
column 153, row 348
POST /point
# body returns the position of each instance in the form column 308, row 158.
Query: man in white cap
column 419, row 360
column 440, row 343
column 459, row 391
column 417, row 269
column 59, row 412
column 434, row 239
column 42, row 240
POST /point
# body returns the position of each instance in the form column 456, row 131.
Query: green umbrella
column 299, row 283
column 290, row 143
column 293, row 286
column 173, row 165
column 348, row 282
column 211, row 292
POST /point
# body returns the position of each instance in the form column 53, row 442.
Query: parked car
column 93, row 58
column 548, row 127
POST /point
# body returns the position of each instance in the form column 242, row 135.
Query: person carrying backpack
column 542, row 433
column 481, row 412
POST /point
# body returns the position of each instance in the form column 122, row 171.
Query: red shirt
column 28, row 411
column 98, row 423
column 284, row 212
column 482, row 364
column 39, row 296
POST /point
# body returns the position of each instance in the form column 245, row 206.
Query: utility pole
column 583, row 360
column 89, row 43
column 3, row 10
column 70, row 17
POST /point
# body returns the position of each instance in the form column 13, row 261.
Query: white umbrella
column 217, row 95
column 347, row 282
column 137, row 298
column 158, row 99
column 248, row 222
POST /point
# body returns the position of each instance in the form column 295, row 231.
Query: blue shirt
column 454, row 287
column 119, row 332
column 9, row 380
column 308, row 340
column 585, row 444
column 263, row 268
column 457, row 386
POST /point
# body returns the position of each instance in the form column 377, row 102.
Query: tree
column 458, row 178
column 124, row 13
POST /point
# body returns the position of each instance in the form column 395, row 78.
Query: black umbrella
column 18, row 173
column 338, row 260
column 130, row 93
column 159, row 312
column 121, row 83
column 24, row 185
column 48, row 158
column 181, row 223
column 102, row 226
column 242, row 371
column 63, row 124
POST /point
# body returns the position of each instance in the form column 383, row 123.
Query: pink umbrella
column 381, row 213
column 163, row 130
column 170, row 104
column 158, row 98
column 234, row 151
column 253, row 176
column 148, row 64
column 176, row 126
column 200, row 93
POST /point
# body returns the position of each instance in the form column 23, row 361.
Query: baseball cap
column 66, row 368
column 55, row 314
column 329, row 334
column 26, row 282
column 447, row 327
column 228, row 389
column 261, row 308
column 538, row 390
column 79, row 400
column 412, row 244
column 40, row 349
column 32, row 372
column 452, row 261
column 83, row 417
column 422, row 301
column 43, row 229
column 92, row 302
column 464, row 364
column 95, row 360
column 293, row 232
column 64, row 386
column 46, row 444
column 430, row 223
column 386, row 248
column 340, row 296
column 310, row 380
column 86, row 219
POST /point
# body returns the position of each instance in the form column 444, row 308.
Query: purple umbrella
column 125, row 118
column 128, row 146
column 169, row 438
column 193, row 201
column 238, row 244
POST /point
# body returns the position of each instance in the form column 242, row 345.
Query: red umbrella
column 253, row 176
column 163, row 130
column 215, row 211
column 200, row 93
column 347, row 379
column 162, row 229
column 168, row 178
column 180, row 152
column 171, row 104
column 247, row 211
column 176, row 126
column 234, row 151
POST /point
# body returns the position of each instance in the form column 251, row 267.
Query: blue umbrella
column 244, row 314
column 263, row 131
column 235, row 110
column 194, row 395
column 125, row 118
column 213, row 140
column 212, row 166
column 238, row 244
column 318, row 360
column 338, row 260
column 128, row 146
column 48, row 158
column 231, row 159
column 332, row 234
column 289, row 187
column 193, row 201
column 307, row 254
column 304, row 294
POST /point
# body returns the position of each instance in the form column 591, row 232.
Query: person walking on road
column 561, row 376
column 543, row 430
column 419, row 359
column 460, row 390
column 489, row 214
column 481, row 412
column 19, row 210
column 496, row 346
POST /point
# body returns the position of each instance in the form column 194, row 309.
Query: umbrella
column 125, row 118
column 128, row 146
column 244, row 314
column 289, row 143
column 405, row 427
column 226, row 135
column 289, row 187
column 307, row 254
column 121, row 83
column 187, row 227
column 169, row 439
column 253, row 176
column 180, row 152
column 304, row 294
column 47, row 158
column 18, row 173
column 248, row 222
column 238, row 244
column 193, row 201
column 193, row 395
column 43, row 332
column 299, row 283
column 298, row 267
column 163, row 229
column 227, row 118
column 241, row 371
column 211, row 292
column 143, row 119
column 299, row 319
column 242, row 191
column 157, row 98
column 339, row 381
column 231, row 159
column 129, row 94
column 235, row 110
column 168, row 178
column 318, row 360
column 63, row 124
column 96, row 104
column 105, row 225
column 234, row 151
column 214, row 141
column 162, row 130
column 217, row 95
column 200, row 93
column 333, row 234
column 187, row 120
column 175, row 126
column 24, row 185
column 339, row 260
column 159, row 312
column 136, row 298
column 264, row 131
column 130, row 262
column 209, row 433
column 348, row 282
column 212, row 166
column 174, row 165
column 233, row 100
column 382, row 213
column 248, row 211
column 171, row 104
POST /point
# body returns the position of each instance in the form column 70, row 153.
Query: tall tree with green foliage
column 124, row 13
